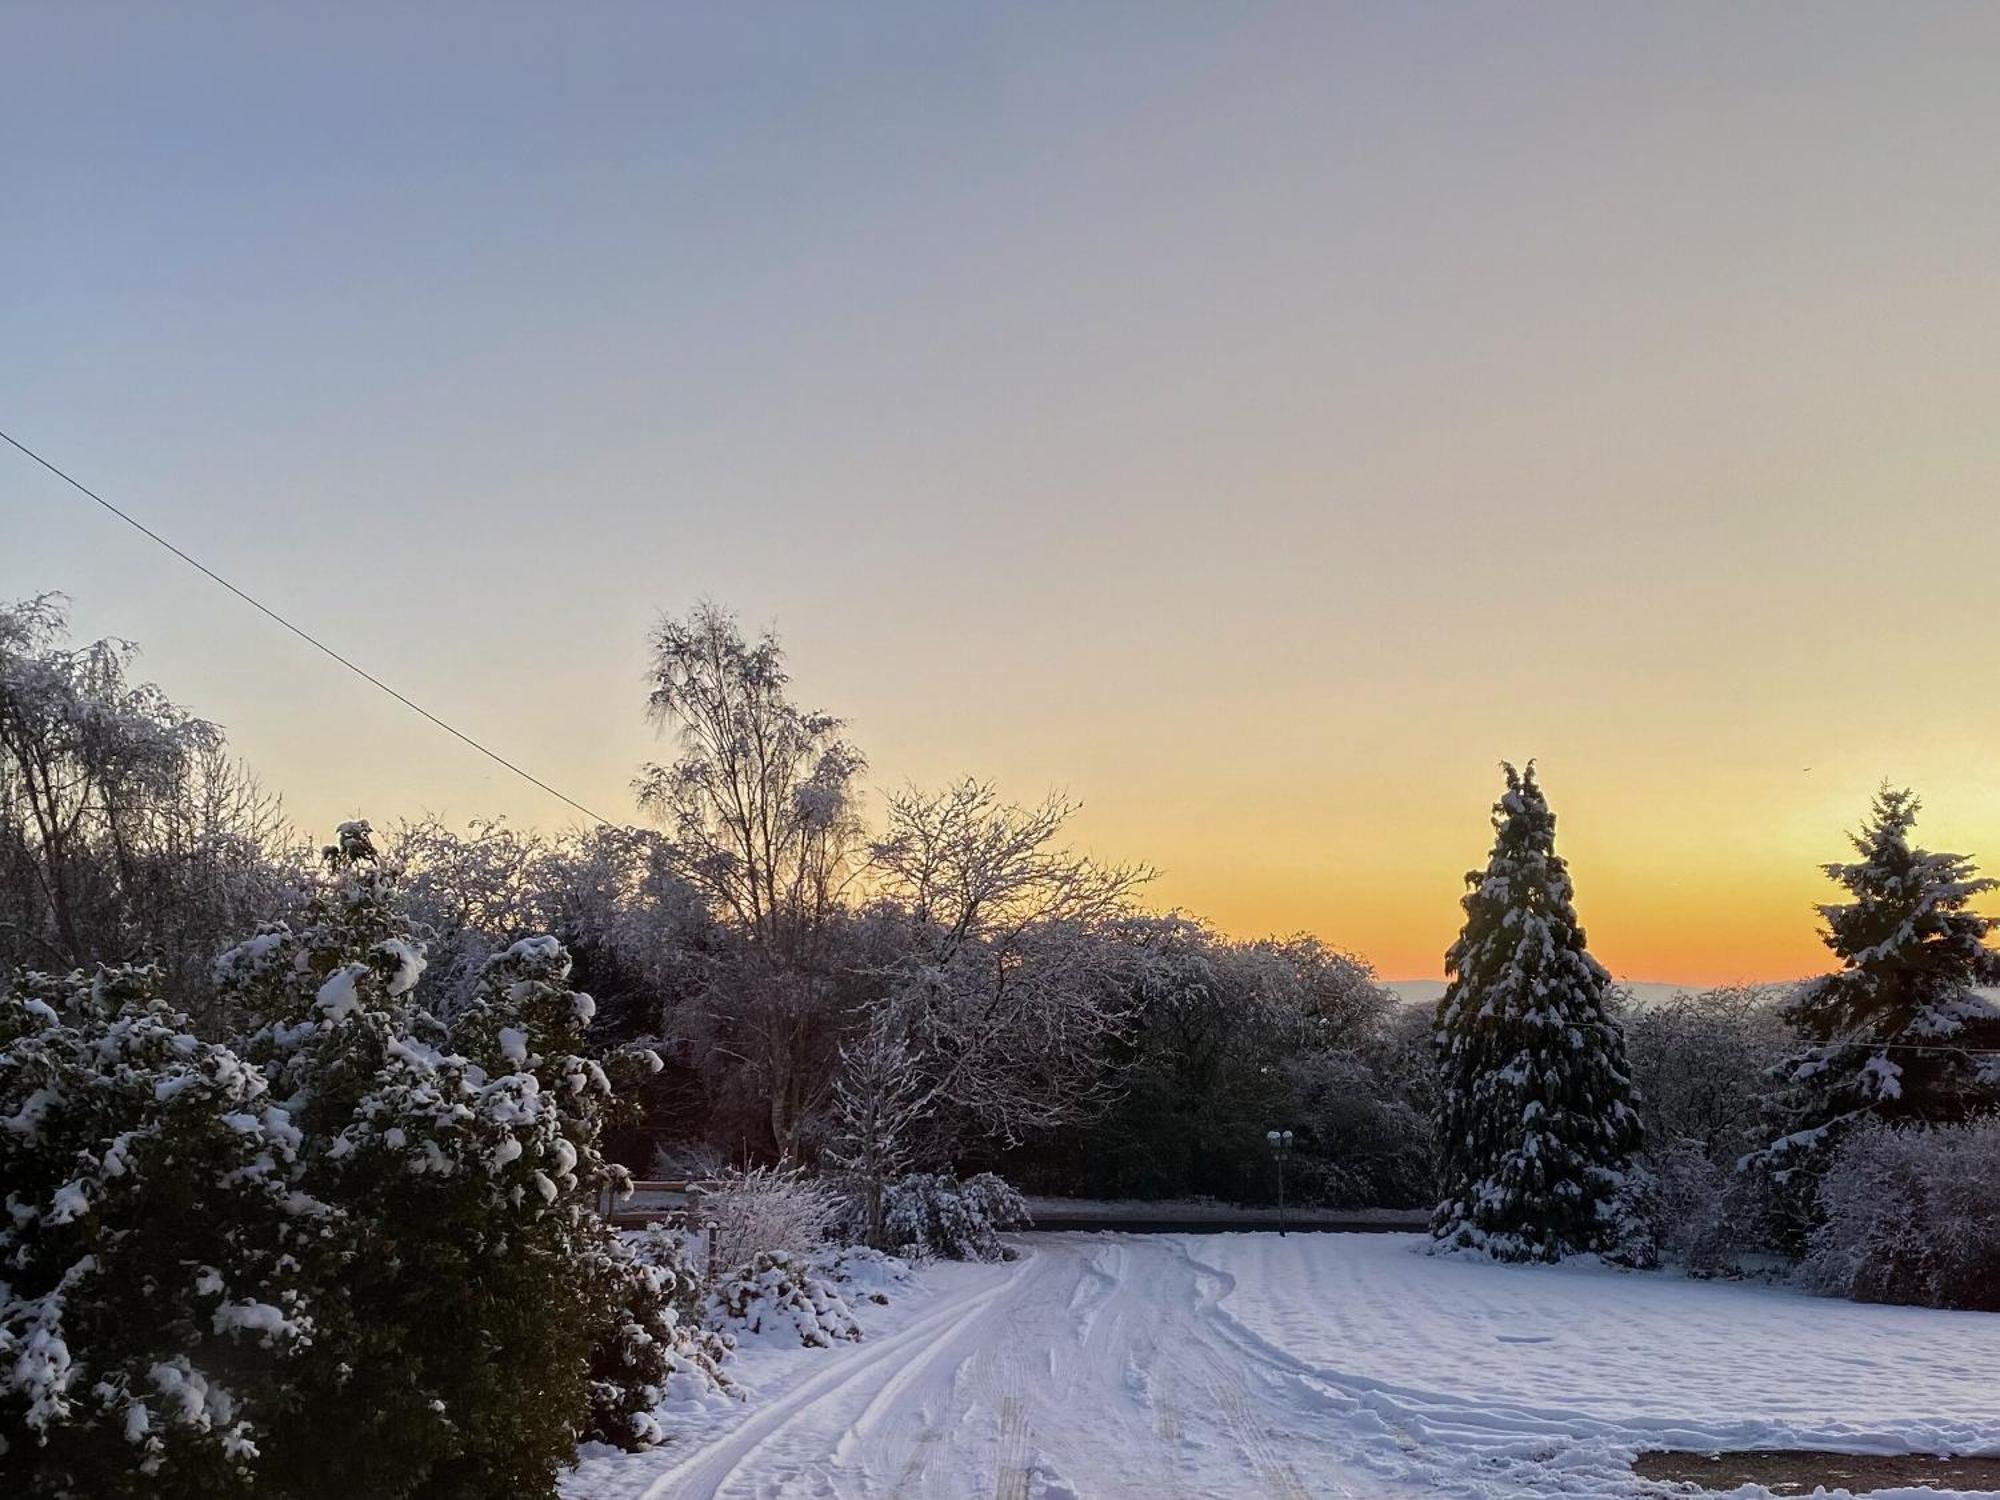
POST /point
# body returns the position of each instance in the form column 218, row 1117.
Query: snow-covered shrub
column 934, row 1216
column 860, row 1273
column 777, row 1211
column 1912, row 1215
column 780, row 1297
column 158, row 1260
column 1633, row 1221
column 463, row 1159
column 656, row 1348
column 1699, row 1061
column 1690, row 1206
column 319, row 1263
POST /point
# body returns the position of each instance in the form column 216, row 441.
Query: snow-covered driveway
column 1095, row 1366
column 1154, row 1367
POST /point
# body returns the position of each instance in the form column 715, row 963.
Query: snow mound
column 776, row 1297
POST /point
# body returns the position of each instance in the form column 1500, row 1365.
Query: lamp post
column 1281, row 1144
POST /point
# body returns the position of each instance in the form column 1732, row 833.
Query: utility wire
column 363, row 673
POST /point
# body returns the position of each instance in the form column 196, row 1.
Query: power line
column 363, row 673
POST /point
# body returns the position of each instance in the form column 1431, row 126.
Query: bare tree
column 761, row 809
column 1699, row 1062
column 126, row 832
column 999, row 1005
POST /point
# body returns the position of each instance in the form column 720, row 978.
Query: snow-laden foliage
column 1535, row 1126
column 1698, row 1062
column 1909, row 1215
column 934, row 1216
column 658, row 1350
column 1897, row 1035
column 777, row 1211
column 861, row 1274
column 160, row 1260
column 780, row 1298
column 637, row 933
column 329, row 1253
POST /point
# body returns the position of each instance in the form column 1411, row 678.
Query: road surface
column 1094, row 1367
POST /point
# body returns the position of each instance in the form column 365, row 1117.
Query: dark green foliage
column 156, row 1261
column 934, row 1216
column 1535, row 1126
column 1225, row 1040
column 650, row 1299
column 363, row 1240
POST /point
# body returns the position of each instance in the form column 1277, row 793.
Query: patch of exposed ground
column 1792, row 1471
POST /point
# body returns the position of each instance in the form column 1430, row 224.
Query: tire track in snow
column 706, row 1471
column 1094, row 1369
column 1011, row 1454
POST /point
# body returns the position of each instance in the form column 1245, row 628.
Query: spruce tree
column 1536, row 1130
column 1899, row 1033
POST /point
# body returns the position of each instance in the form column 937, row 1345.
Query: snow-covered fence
column 650, row 1199
column 655, row 1200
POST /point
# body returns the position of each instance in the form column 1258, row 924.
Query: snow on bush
column 158, row 1257
column 862, row 1274
column 777, row 1211
column 780, row 1298
column 319, row 1262
column 659, row 1353
column 934, row 1216
column 1689, row 1207
column 1910, row 1215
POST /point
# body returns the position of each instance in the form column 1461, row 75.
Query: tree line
column 937, row 980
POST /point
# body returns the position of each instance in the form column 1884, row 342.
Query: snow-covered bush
column 860, row 1273
column 158, row 1260
column 1912, row 1215
column 321, row 1262
column 1691, row 1207
column 1699, row 1061
column 657, row 1348
column 780, row 1297
column 777, row 1211
column 934, row 1216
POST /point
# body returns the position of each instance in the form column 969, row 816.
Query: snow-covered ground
column 1244, row 1365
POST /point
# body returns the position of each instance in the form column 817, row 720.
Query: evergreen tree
column 1536, row 1131
column 1899, row 1033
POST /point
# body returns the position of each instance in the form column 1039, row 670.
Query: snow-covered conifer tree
column 1536, row 1131
column 1898, row 1033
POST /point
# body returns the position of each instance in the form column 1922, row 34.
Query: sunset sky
column 1256, row 420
